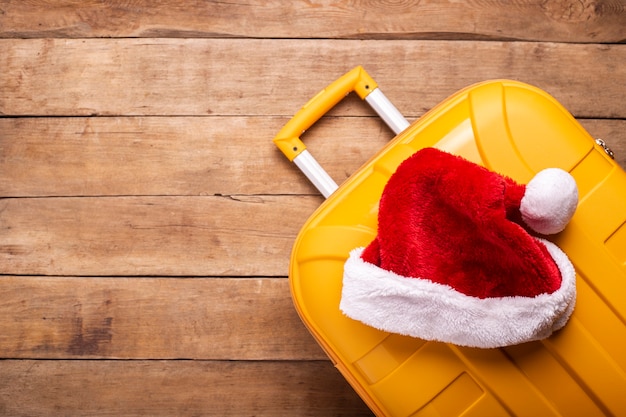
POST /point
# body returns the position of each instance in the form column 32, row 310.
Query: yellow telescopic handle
column 288, row 138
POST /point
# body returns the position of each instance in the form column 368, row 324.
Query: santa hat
column 455, row 260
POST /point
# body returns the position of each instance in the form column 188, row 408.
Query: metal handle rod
column 387, row 111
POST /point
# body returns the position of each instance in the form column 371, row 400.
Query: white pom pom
column 550, row 201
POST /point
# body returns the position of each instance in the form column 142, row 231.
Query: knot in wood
column 571, row 11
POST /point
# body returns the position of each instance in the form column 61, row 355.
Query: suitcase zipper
column 606, row 148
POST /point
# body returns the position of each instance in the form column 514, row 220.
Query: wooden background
column 146, row 218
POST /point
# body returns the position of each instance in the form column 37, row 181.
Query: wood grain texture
column 151, row 318
column 131, row 156
column 553, row 20
column 174, row 77
column 146, row 219
column 162, row 236
column 190, row 156
column 183, row 388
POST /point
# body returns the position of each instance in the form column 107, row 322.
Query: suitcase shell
column 517, row 130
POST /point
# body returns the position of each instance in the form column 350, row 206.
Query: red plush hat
column 454, row 259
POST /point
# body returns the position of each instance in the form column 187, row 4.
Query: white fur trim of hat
column 425, row 309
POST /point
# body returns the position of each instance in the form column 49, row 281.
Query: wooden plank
column 125, row 156
column 169, row 388
column 109, row 156
column 157, row 236
column 211, row 77
column 565, row 21
column 151, row 318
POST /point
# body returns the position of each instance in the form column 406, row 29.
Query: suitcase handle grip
column 288, row 138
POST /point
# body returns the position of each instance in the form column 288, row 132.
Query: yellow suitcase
column 516, row 130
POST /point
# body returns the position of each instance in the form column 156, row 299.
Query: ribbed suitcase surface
column 516, row 130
